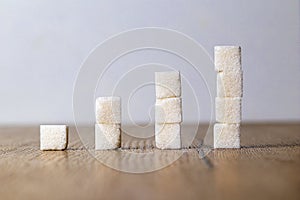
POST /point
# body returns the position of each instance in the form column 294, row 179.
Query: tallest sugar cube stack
column 168, row 110
column 229, row 96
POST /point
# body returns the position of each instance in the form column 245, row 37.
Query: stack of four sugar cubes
column 229, row 96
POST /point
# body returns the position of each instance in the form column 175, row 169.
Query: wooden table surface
column 266, row 167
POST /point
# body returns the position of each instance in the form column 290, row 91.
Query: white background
column 43, row 43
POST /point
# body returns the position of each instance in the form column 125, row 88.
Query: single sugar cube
column 107, row 136
column 53, row 137
column 108, row 110
column 167, row 136
column 230, row 84
column 168, row 110
column 228, row 110
column 167, row 84
column 227, row 136
column 227, row 58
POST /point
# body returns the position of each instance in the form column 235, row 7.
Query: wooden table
column 267, row 167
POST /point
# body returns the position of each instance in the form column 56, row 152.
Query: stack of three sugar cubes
column 229, row 96
column 168, row 110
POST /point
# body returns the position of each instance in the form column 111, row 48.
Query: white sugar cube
column 107, row 136
column 227, row 136
column 168, row 110
column 167, row 136
column 230, row 84
column 108, row 110
column 227, row 58
column 53, row 137
column 167, row 84
column 228, row 110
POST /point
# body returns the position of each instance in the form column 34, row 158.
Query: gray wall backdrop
column 43, row 43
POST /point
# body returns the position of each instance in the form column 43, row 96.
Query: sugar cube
column 227, row 58
column 167, row 136
column 230, row 84
column 168, row 110
column 228, row 110
column 108, row 110
column 227, row 135
column 167, row 84
column 107, row 136
column 53, row 137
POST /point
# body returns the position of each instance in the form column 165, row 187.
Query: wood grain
column 267, row 167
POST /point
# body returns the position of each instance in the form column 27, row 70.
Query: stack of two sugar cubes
column 168, row 110
column 229, row 96
column 108, row 123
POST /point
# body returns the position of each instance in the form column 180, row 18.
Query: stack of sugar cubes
column 168, row 110
column 229, row 96
column 108, row 123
